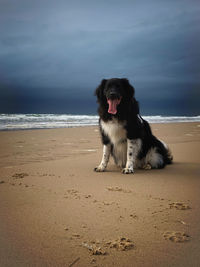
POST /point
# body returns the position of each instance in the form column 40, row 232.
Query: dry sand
column 55, row 211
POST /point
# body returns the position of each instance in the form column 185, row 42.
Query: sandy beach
column 56, row 211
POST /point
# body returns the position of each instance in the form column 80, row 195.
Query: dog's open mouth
column 113, row 103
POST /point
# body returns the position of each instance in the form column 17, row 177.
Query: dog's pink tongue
column 113, row 105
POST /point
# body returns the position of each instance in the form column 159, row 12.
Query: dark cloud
column 61, row 50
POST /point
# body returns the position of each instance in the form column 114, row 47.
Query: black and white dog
column 125, row 134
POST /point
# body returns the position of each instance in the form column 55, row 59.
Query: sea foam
column 49, row 121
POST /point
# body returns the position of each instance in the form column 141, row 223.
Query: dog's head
column 114, row 92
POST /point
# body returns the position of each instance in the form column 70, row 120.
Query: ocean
column 50, row 121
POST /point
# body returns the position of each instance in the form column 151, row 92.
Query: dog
column 125, row 134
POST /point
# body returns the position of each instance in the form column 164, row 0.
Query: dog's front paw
column 99, row 168
column 127, row 170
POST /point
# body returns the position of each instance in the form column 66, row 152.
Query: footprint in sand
column 177, row 237
column 133, row 216
column 75, row 235
column 100, row 248
column 118, row 189
column 19, row 175
column 94, row 249
column 87, row 196
column 179, row 206
column 73, row 193
column 121, row 243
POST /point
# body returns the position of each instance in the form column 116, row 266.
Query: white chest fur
column 114, row 130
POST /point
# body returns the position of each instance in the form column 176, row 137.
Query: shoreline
column 55, row 121
column 95, row 125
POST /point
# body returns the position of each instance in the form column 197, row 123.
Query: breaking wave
column 49, row 121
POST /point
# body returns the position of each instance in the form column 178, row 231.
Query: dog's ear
column 99, row 91
column 129, row 88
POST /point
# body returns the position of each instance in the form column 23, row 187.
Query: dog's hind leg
column 153, row 160
column 105, row 158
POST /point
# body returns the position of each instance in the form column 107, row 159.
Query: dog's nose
column 112, row 95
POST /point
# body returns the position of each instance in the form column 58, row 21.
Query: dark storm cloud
column 62, row 49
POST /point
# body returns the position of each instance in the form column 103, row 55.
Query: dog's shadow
column 177, row 169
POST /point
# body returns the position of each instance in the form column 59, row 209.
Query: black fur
column 128, row 112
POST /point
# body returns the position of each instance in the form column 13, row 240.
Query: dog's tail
column 168, row 157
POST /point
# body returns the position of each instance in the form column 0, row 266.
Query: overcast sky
column 53, row 54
